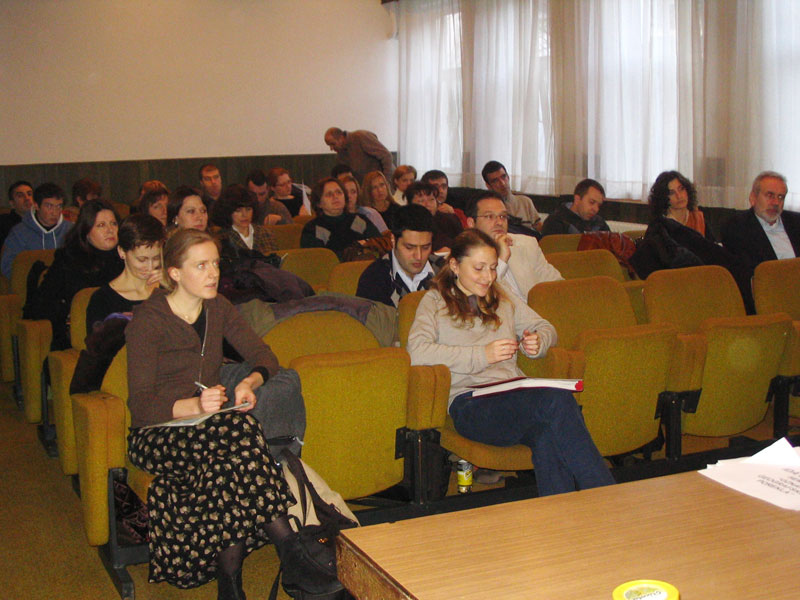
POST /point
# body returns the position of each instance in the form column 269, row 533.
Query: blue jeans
column 549, row 422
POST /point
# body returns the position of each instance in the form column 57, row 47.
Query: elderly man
column 496, row 178
column 41, row 228
column 765, row 231
column 362, row 150
column 406, row 268
column 521, row 263
column 580, row 215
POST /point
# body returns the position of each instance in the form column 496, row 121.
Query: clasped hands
column 503, row 349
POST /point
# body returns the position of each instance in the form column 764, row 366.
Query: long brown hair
column 460, row 307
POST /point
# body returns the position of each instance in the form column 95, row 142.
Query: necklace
column 188, row 316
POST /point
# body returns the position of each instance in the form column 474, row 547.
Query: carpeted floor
column 43, row 552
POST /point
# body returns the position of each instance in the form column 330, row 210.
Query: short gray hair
column 766, row 175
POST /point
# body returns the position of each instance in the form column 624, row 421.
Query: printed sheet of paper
column 772, row 475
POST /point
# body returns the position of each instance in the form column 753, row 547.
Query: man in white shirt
column 766, row 231
column 497, row 180
column 521, row 263
column 407, row 267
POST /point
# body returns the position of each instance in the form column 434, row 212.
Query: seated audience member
column 582, row 214
column 674, row 197
column 406, row 268
column 403, row 176
column 439, row 180
column 210, row 185
column 375, row 194
column 468, row 323
column 20, row 200
column 519, row 206
column 765, row 231
column 153, row 201
column 353, row 191
column 283, row 190
column 333, row 227
column 340, row 169
column 445, row 226
column 669, row 244
column 360, row 149
column 186, row 210
column 218, row 494
column 41, row 228
column 235, row 209
column 89, row 258
column 268, row 210
column 82, row 190
column 521, row 264
column 141, row 237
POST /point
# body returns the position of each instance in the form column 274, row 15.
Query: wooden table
column 705, row 539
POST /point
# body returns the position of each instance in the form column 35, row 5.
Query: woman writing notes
column 217, row 494
column 469, row 324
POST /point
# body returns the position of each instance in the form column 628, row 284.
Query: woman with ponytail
column 468, row 323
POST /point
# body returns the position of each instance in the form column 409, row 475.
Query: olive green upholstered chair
column 317, row 332
column 740, row 354
column 510, row 458
column 590, row 263
column 286, row 236
column 560, row 242
column 11, row 305
column 344, row 276
column 623, row 364
column 62, row 366
column 775, row 289
column 314, row 265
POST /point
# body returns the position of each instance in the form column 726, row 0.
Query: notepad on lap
column 196, row 419
column 518, row 383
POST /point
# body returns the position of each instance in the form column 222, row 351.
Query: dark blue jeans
column 546, row 420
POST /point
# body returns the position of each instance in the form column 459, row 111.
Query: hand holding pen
column 211, row 398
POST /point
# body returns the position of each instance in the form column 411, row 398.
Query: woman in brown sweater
column 218, row 494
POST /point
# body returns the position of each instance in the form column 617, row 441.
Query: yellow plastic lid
column 646, row 589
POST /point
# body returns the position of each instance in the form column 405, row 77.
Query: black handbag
column 317, row 542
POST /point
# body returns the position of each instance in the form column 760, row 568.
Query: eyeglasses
column 494, row 217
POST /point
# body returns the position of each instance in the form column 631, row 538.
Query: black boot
column 301, row 573
column 229, row 587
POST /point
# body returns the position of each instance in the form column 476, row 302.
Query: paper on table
column 772, row 475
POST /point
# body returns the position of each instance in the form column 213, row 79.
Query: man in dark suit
column 765, row 231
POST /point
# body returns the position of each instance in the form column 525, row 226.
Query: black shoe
column 301, row 573
column 230, row 587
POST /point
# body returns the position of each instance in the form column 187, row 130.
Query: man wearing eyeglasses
column 497, row 180
column 765, row 231
column 521, row 263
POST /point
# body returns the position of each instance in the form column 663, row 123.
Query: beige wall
column 98, row 80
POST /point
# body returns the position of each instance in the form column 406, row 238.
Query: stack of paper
column 772, row 474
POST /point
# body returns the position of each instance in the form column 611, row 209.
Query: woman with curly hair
column 469, row 324
column 675, row 197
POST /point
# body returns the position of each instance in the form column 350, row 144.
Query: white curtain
column 616, row 90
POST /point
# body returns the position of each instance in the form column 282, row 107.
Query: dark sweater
column 71, row 271
column 104, row 302
column 337, row 233
column 166, row 357
column 563, row 220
